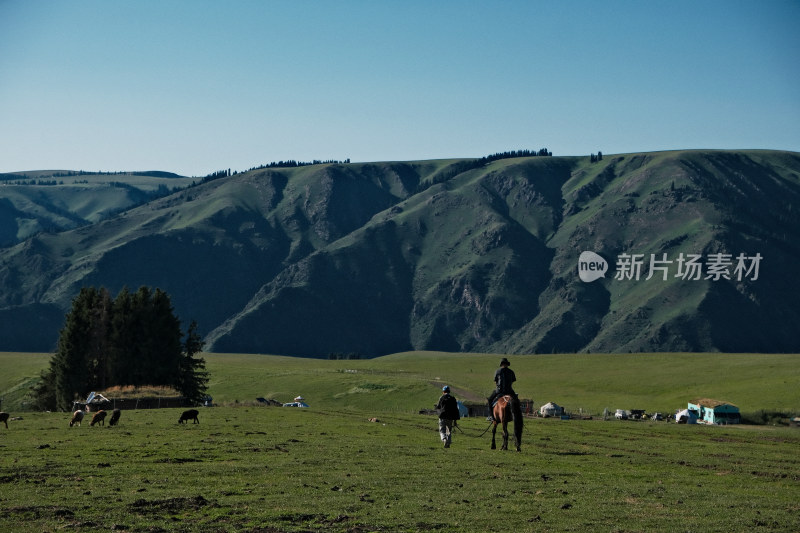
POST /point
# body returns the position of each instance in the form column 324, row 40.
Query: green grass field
column 270, row 469
column 407, row 382
column 329, row 468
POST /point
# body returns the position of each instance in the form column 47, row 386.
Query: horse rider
column 447, row 407
column 503, row 378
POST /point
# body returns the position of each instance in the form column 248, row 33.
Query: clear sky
column 194, row 86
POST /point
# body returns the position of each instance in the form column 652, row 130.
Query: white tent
column 551, row 409
column 686, row 417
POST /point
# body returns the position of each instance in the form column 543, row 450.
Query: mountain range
column 694, row 250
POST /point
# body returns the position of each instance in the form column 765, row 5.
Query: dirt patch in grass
column 338, row 522
column 169, row 505
column 35, row 512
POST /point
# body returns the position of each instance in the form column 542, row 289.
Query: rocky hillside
column 375, row 258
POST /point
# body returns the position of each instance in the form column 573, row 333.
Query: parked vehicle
column 295, row 404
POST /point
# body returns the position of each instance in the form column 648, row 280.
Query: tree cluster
column 596, row 158
column 291, row 163
column 217, row 175
column 340, row 356
column 470, row 164
column 37, row 182
column 542, row 152
column 133, row 339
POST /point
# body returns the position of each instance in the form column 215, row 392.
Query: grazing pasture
column 253, row 469
column 407, row 382
column 269, row 469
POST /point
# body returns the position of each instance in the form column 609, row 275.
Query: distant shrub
column 764, row 417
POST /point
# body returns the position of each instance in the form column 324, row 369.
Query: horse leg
column 494, row 430
column 518, row 423
column 505, row 435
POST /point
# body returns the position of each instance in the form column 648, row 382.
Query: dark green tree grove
column 133, row 339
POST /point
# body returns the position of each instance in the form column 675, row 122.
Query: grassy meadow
column 270, row 469
column 329, row 468
column 407, row 382
column 587, row 383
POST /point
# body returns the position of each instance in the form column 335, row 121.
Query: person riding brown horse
column 504, row 377
column 506, row 409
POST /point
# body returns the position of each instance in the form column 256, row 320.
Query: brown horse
column 506, row 409
column 99, row 418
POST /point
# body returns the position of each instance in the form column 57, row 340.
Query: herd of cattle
column 99, row 417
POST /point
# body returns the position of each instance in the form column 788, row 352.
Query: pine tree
column 69, row 363
column 98, row 365
column 142, row 350
column 44, row 392
column 164, row 349
column 123, row 339
column 193, row 377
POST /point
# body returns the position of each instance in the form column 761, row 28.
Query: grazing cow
column 191, row 414
column 4, row 419
column 99, row 418
column 77, row 417
column 114, row 417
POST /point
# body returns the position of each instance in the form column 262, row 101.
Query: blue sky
column 196, row 86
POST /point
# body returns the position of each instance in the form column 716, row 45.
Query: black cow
column 190, row 414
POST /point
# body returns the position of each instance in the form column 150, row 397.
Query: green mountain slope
column 377, row 258
column 57, row 200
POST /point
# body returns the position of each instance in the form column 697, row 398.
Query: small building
column 715, row 412
column 687, row 416
column 551, row 409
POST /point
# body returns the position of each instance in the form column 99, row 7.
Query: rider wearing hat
column 503, row 378
column 447, row 407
